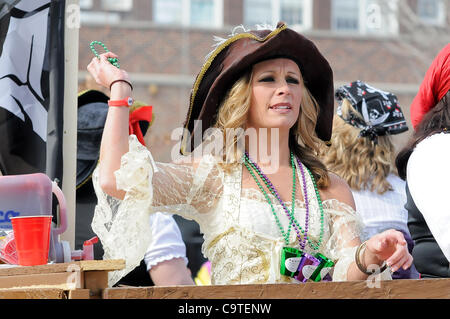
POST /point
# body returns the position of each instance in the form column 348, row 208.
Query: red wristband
column 128, row 101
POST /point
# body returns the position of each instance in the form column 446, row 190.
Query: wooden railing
column 75, row 280
column 392, row 289
column 88, row 279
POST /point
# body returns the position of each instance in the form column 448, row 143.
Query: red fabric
column 144, row 113
column 434, row 86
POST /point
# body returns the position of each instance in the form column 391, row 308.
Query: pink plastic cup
column 32, row 236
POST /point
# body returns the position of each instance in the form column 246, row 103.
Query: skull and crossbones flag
column 31, row 86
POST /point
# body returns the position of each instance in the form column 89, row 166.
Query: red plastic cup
column 32, row 236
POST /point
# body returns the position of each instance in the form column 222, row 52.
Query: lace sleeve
column 346, row 226
column 190, row 190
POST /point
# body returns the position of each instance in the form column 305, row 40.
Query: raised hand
column 103, row 72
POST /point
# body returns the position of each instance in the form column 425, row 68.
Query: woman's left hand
column 390, row 246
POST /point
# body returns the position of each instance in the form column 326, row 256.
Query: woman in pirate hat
column 270, row 212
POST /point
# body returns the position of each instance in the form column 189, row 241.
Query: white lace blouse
column 242, row 239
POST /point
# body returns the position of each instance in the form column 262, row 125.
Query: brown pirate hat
column 239, row 53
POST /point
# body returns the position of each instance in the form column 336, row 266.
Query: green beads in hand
column 113, row 61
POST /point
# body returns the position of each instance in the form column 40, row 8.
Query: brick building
column 162, row 44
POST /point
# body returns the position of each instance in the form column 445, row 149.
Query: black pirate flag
column 31, row 86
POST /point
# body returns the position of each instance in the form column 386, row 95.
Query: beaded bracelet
column 120, row 80
column 363, row 268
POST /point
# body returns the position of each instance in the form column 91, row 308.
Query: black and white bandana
column 381, row 114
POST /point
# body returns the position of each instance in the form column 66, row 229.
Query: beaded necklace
column 296, row 263
column 292, row 219
column 113, row 61
column 319, row 201
column 253, row 166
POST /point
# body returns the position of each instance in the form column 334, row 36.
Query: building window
column 292, row 12
column 207, row 13
column 345, row 15
column 167, row 11
column 257, row 12
column 85, row 4
column 431, row 11
column 114, row 5
column 202, row 12
column 376, row 17
column 296, row 13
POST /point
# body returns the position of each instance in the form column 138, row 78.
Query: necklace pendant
column 290, row 259
column 307, row 266
column 323, row 271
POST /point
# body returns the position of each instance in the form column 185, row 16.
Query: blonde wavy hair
column 303, row 141
column 359, row 161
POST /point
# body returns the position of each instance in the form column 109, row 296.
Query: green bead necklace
column 269, row 185
column 293, row 221
column 286, row 235
column 113, row 61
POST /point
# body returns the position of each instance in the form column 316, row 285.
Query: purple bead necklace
column 290, row 215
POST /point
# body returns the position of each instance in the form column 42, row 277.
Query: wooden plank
column 44, row 293
column 79, row 294
column 63, row 280
column 109, row 265
column 91, row 276
column 96, row 282
column 392, row 289
column 85, row 265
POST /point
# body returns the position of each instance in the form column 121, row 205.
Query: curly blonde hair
column 303, row 140
column 359, row 161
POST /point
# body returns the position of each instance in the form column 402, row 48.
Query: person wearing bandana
column 269, row 210
column 361, row 152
